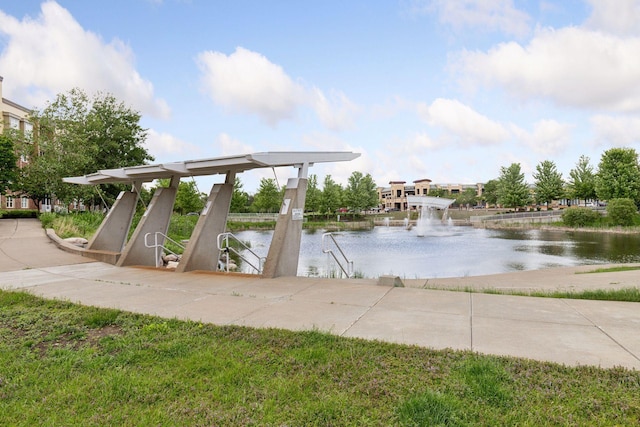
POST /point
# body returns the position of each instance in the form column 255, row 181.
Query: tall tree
column 268, row 198
column 8, row 163
column 549, row 185
column 582, row 180
column 239, row 198
column 361, row 192
column 467, row 198
column 490, row 193
column 312, row 199
column 618, row 175
column 76, row 135
column 331, row 198
column 513, row 191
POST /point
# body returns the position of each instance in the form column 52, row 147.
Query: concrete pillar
column 202, row 251
column 112, row 233
column 156, row 218
column 284, row 251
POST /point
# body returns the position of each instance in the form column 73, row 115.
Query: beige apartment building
column 394, row 197
column 15, row 116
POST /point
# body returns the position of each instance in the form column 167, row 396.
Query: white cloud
column 548, row 137
column 167, row 148
column 54, row 54
column 616, row 131
column 466, row 126
column 487, row 15
column 232, row 147
column 335, row 113
column 248, row 82
column 621, row 17
column 571, row 66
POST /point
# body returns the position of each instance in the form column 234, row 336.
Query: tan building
column 15, row 116
column 394, row 197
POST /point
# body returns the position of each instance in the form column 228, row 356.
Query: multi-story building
column 394, row 197
column 15, row 116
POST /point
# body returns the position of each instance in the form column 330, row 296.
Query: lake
column 454, row 251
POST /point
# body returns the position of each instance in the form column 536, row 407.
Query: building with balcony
column 15, row 117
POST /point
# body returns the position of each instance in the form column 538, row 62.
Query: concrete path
column 572, row 332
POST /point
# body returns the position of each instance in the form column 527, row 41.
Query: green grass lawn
column 64, row 364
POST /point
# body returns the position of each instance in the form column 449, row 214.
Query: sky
column 449, row 90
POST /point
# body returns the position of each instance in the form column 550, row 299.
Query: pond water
column 454, row 251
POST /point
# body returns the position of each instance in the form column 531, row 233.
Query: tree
column 618, row 175
column 312, row 200
column 582, row 181
column 490, row 193
column 513, row 191
column 331, row 198
column 77, row 136
column 188, row 198
column 268, row 198
column 437, row 192
column 548, row 182
column 621, row 211
column 8, row 164
column 239, row 198
column 361, row 192
column 467, row 197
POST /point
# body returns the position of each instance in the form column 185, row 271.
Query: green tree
column 188, row 198
column 548, row 184
column 490, row 193
column 361, row 192
column 513, row 191
column 312, row 199
column 76, row 135
column 618, row 175
column 239, row 198
column 621, row 211
column 331, row 198
column 468, row 197
column 437, row 192
column 582, row 181
column 8, row 164
column 268, row 198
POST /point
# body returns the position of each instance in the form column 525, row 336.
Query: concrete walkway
column 572, row 332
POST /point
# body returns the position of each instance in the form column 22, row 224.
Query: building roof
column 213, row 166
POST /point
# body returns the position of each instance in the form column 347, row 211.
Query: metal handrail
column 223, row 245
column 157, row 245
column 348, row 271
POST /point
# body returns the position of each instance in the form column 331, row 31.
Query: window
column 9, row 202
column 24, row 202
column 14, row 122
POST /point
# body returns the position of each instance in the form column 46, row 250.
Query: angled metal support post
column 202, row 251
column 112, row 233
column 156, row 218
column 284, row 251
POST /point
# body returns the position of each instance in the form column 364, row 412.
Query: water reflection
column 456, row 251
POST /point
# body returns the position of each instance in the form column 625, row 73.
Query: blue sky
column 449, row 90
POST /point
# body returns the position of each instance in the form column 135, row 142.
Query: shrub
column 621, row 211
column 18, row 213
column 580, row 217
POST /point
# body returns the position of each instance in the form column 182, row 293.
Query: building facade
column 394, row 197
column 15, row 116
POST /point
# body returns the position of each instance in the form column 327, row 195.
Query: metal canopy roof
column 214, row 166
column 429, row 201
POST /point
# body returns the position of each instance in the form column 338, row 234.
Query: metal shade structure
column 213, row 166
column 201, row 252
column 429, row 201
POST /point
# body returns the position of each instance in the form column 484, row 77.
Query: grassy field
column 64, row 364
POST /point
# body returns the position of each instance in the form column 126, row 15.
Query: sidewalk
column 572, row 332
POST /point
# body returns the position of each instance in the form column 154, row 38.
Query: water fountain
column 427, row 212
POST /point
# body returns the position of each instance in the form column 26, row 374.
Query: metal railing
column 348, row 271
column 517, row 215
column 223, row 245
column 160, row 246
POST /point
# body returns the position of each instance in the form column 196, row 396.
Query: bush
column 580, row 217
column 621, row 211
column 19, row 213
